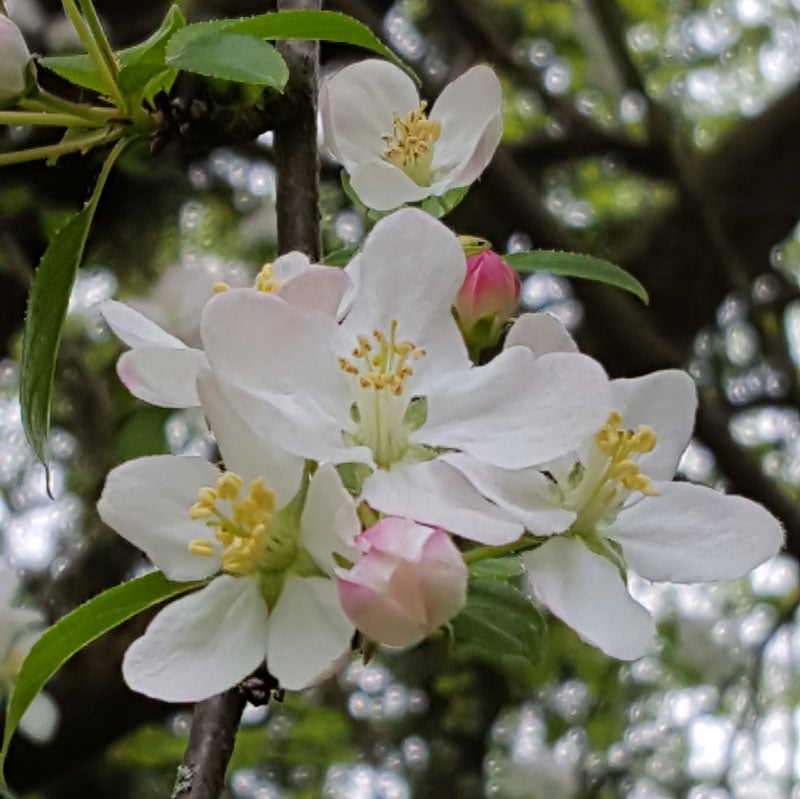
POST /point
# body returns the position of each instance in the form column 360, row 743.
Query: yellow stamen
column 220, row 286
column 266, row 281
column 410, row 145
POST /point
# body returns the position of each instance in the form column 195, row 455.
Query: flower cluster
column 364, row 450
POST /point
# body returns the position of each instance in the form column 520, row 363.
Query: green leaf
column 342, row 256
column 80, row 70
column 47, row 310
column 230, row 56
column 500, row 620
column 573, row 264
column 507, row 568
column 327, row 26
column 79, row 628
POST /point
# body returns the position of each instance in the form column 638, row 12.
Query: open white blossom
column 391, row 387
column 270, row 548
column 609, row 506
column 19, row 630
column 395, row 153
column 161, row 368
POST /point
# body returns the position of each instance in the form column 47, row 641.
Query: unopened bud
column 15, row 63
column 487, row 300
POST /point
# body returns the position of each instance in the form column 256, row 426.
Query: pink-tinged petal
column 518, row 410
column 588, row 594
column 244, row 449
column 357, row 106
column 202, row 644
column 147, row 501
column 262, row 343
column 161, row 376
column 308, row 632
column 434, row 493
column 397, row 598
column 466, row 108
column 320, row 289
column 330, row 521
column 410, row 270
column 525, row 493
column 692, row 533
column 40, row 721
column 290, row 265
column 383, row 186
column 666, row 401
column 134, row 328
column 540, row 333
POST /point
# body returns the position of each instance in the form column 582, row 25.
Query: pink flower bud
column 14, row 63
column 410, row 580
column 487, row 300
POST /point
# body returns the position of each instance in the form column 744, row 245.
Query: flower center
column 410, row 145
column 380, row 368
column 611, row 474
column 243, row 529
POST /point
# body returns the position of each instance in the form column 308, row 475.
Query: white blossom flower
column 377, row 128
column 270, row 549
column 610, row 506
column 391, row 386
column 14, row 62
column 19, row 630
column 161, row 368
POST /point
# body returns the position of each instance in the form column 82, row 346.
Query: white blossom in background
column 609, row 507
column 394, row 152
column 19, row 630
column 409, row 581
column 163, row 330
column 15, row 59
column 269, row 550
column 391, row 386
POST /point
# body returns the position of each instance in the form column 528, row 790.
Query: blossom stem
column 520, row 545
column 44, row 101
column 93, row 21
column 96, row 53
column 85, row 142
column 43, row 118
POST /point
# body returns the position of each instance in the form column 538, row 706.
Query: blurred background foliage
column 663, row 135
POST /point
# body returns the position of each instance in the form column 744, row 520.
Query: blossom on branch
column 15, row 63
column 391, row 386
column 264, row 532
column 409, row 581
column 610, row 506
column 395, row 153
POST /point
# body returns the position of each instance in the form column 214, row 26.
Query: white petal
column 518, row 410
column 358, row 104
column 587, row 593
column 319, row 289
column 666, row 401
column 692, row 533
column 202, row 644
column 329, row 522
column 308, row 632
column 466, row 108
column 383, row 186
column 147, row 501
column 40, row 720
column 525, row 493
column 410, row 270
column 263, row 343
column 434, row 493
column 134, row 328
column 244, row 450
column 9, row 583
column 161, row 376
column 482, row 155
column 540, row 333
column 290, row 265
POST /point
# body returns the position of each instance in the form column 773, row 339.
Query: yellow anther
column 201, row 510
column 262, row 496
column 201, row 547
column 410, row 145
column 266, row 281
column 207, row 495
column 229, row 486
column 645, row 439
column 220, row 286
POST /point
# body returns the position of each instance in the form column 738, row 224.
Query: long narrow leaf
column 79, row 628
column 47, row 310
column 573, row 264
